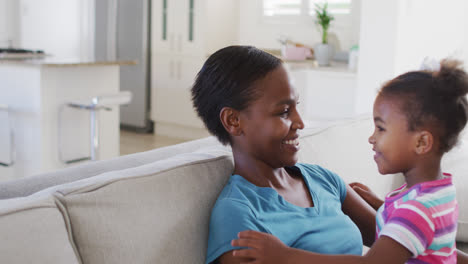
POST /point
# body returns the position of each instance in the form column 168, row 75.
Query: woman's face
column 270, row 124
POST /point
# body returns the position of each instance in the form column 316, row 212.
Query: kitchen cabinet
column 326, row 93
column 184, row 33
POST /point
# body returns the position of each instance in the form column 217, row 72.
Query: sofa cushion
column 156, row 213
column 29, row 185
column 456, row 163
column 33, row 230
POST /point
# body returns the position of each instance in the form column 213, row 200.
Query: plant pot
column 323, row 54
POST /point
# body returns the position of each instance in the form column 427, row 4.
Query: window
column 282, row 7
column 303, row 7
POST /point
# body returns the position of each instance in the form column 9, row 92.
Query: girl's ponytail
column 452, row 79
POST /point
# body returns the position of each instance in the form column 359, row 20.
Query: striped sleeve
column 411, row 225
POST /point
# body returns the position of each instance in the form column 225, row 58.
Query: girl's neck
column 424, row 172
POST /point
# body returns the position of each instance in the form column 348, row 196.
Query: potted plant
column 323, row 51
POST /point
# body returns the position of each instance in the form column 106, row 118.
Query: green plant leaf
column 324, row 19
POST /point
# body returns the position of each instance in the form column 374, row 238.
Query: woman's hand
column 365, row 192
column 261, row 248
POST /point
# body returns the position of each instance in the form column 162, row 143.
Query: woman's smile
column 292, row 144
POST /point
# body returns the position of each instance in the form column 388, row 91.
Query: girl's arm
column 365, row 192
column 228, row 258
column 265, row 248
column 362, row 214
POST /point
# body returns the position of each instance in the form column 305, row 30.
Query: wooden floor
column 132, row 142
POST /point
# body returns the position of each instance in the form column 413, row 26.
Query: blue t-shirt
column 323, row 228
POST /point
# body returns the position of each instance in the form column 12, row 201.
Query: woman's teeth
column 291, row 142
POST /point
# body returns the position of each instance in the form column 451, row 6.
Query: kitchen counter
column 47, row 132
column 338, row 67
column 61, row 62
column 311, row 64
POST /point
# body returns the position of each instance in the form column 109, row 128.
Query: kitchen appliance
column 12, row 54
column 122, row 32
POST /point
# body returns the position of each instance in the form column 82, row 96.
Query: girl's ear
column 230, row 119
column 424, row 142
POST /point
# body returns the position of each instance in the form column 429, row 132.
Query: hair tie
column 430, row 64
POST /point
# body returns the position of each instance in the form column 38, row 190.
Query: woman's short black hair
column 226, row 80
column 433, row 98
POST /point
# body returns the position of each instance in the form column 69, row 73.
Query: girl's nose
column 372, row 139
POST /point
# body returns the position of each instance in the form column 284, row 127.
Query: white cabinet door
column 190, row 37
column 165, row 25
column 173, row 77
column 176, row 26
column 187, row 69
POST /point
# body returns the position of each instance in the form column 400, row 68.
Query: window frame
column 304, row 18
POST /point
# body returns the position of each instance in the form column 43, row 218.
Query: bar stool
column 96, row 104
column 12, row 152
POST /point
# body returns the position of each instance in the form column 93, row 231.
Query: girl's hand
column 365, row 192
column 261, row 248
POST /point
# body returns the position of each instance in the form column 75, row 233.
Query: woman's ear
column 424, row 142
column 230, row 119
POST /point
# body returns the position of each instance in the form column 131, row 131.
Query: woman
column 245, row 99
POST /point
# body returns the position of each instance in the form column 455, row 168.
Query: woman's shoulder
column 315, row 170
column 316, row 174
column 239, row 195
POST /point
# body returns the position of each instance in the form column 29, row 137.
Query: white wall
column 51, row 25
column 430, row 28
column 8, row 23
column 396, row 36
column 376, row 50
column 254, row 30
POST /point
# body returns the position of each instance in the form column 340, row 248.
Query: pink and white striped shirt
column 423, row 219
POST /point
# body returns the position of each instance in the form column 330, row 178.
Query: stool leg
column 94, row 136
column 11, row 138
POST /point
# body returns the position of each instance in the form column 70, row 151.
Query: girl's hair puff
column 433, row 99
column 227, row 80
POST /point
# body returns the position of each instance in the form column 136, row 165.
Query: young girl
column 418, row 117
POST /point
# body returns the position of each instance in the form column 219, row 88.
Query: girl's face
column 391, row 141
column 270, row 124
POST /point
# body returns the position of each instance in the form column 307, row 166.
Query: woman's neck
column 260, row 173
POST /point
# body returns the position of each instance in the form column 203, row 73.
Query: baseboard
column 179, row 131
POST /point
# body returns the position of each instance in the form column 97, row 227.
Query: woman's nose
column 297, row 122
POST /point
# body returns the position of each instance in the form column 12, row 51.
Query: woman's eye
column 285, row 112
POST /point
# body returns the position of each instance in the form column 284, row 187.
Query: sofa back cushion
column 456, row 163
column 156, row 213
column 29, row 185
column 33, row 230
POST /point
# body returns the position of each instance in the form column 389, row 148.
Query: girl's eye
column 379, row 128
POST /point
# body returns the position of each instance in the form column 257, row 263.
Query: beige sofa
column 153, row 207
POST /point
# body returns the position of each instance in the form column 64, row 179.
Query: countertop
column 311, row 64
column 64, row 62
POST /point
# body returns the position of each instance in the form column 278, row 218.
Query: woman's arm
column 362, row 214
column 462, row 257
column 265, row 248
